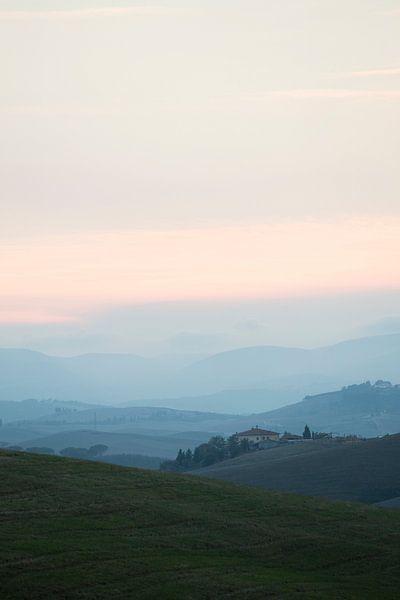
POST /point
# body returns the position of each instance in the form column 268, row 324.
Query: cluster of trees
column 97, row 453
column 33, row 449
column 216, row 449
column 92, row 452
column 315, row 435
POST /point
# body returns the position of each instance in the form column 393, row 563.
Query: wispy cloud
column 335, row 94
column 56, row 110
column 107, row 11
column 364, row 73
column 38, row 316
column 270, row 260
column 395, row 12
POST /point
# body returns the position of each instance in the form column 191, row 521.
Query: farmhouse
column 255, row 435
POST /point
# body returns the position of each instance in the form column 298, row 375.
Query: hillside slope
column 364, row 471
column 72, row 529
column 366, row 410
column 117, row 443
column 392, row 503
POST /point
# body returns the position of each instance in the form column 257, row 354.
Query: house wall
column 255, row 439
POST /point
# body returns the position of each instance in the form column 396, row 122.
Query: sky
column 188, row 177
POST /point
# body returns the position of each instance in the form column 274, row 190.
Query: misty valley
column 149, row 493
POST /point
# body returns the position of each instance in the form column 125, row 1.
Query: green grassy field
column 75, row 529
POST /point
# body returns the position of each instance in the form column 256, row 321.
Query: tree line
column 215, row 450
column 92, row 452
column 219, row 448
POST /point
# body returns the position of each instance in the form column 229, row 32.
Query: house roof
column 258, row 431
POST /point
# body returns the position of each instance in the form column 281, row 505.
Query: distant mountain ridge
column 89, row 378
column 352, row 357
column 237, row 379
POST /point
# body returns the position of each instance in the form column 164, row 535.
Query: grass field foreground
column 75, row 529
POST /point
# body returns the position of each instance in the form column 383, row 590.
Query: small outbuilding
column 292, row 438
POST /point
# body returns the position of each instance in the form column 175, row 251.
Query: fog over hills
column 363, row 358
column 31, row 408
column 367, row 410
column 90, row 377
column 243, row 380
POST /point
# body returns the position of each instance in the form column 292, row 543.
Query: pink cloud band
column 68, row 275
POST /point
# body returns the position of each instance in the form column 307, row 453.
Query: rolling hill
column 32, row 409
column 365, row 471
column 366, row 410
column 72, row 529
column 166, row 446
column 139, row 417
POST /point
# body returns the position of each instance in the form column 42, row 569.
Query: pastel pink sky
column 166, row 151
column 62, row 277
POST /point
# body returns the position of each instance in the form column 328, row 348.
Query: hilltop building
column 255, row 435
